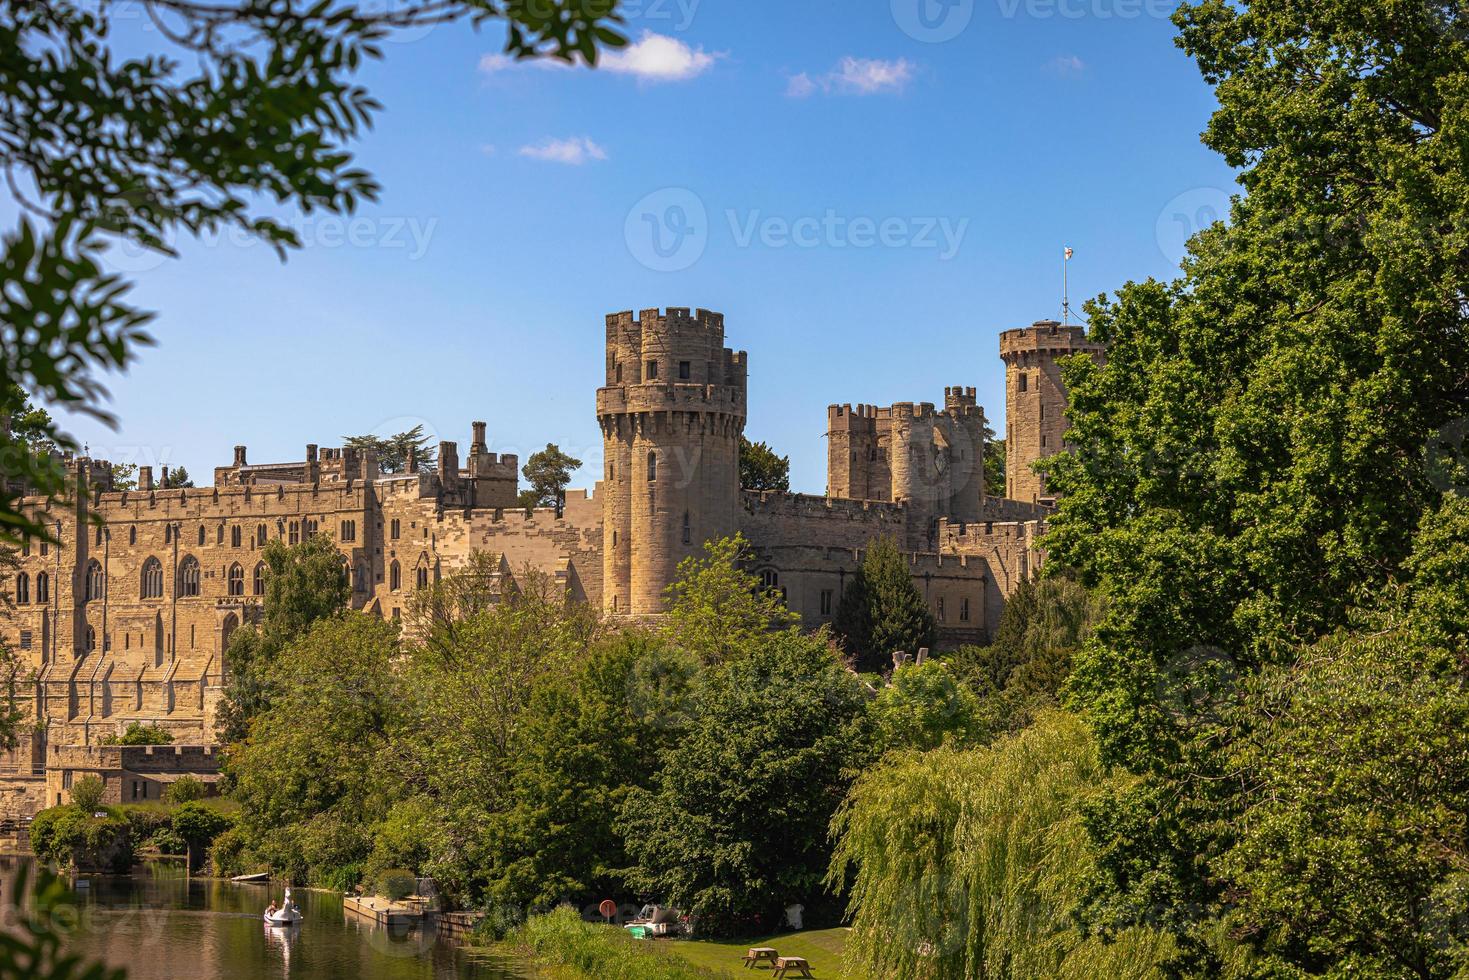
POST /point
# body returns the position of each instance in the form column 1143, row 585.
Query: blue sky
column 867, row 195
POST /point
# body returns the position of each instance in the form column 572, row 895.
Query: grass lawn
column 821, row 947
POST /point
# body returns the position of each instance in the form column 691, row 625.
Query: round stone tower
column 1035, row 400
column 671, row 414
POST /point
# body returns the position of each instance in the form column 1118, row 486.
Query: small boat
column 287, row 915
column 260, row 876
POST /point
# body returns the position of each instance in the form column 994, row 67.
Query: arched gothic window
column 421, row 577
column 22, row 588
column 259, row 579
column 189, row 577
column 652, row 467
column 235, row 536
column 152, row 585
column 395, row 576
column 96, row 584
column 769, row 579
column 43, row 587
column 201, row 535
column 262, row 535
column 91, row 638
column 236, row 579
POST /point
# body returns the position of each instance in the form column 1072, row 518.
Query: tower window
column 96, row 585
column 395, row 576
column 826, row 602
column 964, row 610
column 652, row 467
column 769, row 579
column 395, row 528
column 1043, row 411
column 687, row 534
column 1023, row 381
column 22, row 588
column 43, row 586
column 684, row 373
column 261, row 535
column 258, row 584
column 941, row 609
column 189, row 577
column 236, row 580
column 235, row 536
column 201, row 535
column 652, row 372
column 617, row 373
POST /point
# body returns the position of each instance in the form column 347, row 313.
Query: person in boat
column 270, row 909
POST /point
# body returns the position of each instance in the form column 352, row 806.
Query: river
column 161, row 925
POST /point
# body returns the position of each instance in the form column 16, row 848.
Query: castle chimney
column 145, row 478
column 313, row 468
column 370, row 469
column 165, row 478
column 411, row 462
column 449, row 466
column 239, row 455
column 478, row 446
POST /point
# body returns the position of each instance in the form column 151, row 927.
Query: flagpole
column 1065, row 287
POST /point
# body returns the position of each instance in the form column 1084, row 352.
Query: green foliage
column 762, row 469
column 924, row 706
column 994, row 467
column 395, row 884
column 321, row 756
column 1023, row 671
column 165, row 840
column 394, row 451
column 1249, row 466
column 590, row 736
column 32, row 948
column 974, row 863
column 716, row 609
column 734, row 829
column 87, row 792
column 598, row 952
column 271, row 86
column 549, row 471
column 880, row 611
column 304, row 583
column 138, row 733
column 185, row 789
column 1350, row 847
column 198, row 824
column 1439, row 567
column 73, row 836
column 176, row 478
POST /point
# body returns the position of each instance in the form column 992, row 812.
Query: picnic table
column 759, row 954
column 785, row 964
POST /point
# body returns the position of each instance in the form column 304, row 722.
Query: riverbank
column 561, row 946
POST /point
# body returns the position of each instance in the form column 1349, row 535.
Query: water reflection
column 161, row 924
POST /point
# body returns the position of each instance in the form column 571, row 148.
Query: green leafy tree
column 185, row 789
column 138, row 733
column 549, row 471
column 87, row 792
column 880, row 611
column 393, row 452
column 716, row 609
column 924, row 706
column 762, row 469
column 976, row 863
column 591, row 736
column 124, row 476
column 1249, row 465
column 1352, row 847
column 319, row 764
column 734, row 829
column 304, row 583
column 176, row 479
column 271, row 83
column 994, row 468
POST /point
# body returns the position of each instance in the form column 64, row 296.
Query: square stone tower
column 1035, row 400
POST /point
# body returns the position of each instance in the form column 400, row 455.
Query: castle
column 128, row 618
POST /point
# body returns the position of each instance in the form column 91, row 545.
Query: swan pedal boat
column 287, row 915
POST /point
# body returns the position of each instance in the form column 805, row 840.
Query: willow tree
column 974, row 863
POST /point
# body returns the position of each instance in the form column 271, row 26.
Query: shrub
column 167, row 841
column 137, row 734
column 593, row 950
column 71, row 836
column 185, row 790
column 198, row 824
column 395, row 884
column 87, row 793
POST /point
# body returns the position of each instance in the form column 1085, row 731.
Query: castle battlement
column 1048, row 337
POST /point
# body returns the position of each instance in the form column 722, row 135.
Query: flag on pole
column 1069, row 252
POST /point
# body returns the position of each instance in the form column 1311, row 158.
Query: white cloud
column 854, row 76
column 574, row 151
column 657, row 58
column 800, row 86
column 488, row 149
column 492, row 64
column 1067, row 64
